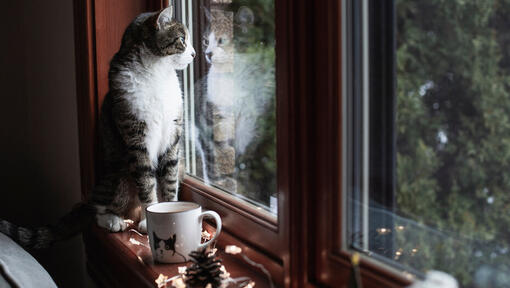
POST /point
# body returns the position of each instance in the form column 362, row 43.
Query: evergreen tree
column 453, row 134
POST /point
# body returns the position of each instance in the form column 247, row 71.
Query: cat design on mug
column 160, row 244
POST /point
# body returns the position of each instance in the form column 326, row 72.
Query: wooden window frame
column 331, row 253
column 240, row 218
column 303, row 247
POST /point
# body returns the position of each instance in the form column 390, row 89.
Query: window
column 428, row 180
column 252, row 220
column 303, row 243
column 237, row 148
column 230, row 103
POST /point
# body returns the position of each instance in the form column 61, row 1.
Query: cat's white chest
column 157, row 100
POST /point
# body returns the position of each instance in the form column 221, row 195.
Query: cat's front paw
column 111, row 222
column 142, row 226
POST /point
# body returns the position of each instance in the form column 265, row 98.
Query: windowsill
column 113, row 261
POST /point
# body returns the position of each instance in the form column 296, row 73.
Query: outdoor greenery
column 258, row 178
column 453, row 138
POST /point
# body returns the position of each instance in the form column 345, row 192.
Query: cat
column 140, row 126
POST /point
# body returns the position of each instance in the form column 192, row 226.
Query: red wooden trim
column 274, row 267
column 86, row 90
column 116, row 262
column 241, row 207
column 111, row 19
column 98, row 27
column 293, row 18
column 236, row 221
column 286, row 140
column 331, row 264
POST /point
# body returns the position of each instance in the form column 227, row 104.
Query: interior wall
column 39, row 130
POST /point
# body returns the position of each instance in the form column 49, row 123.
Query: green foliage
column 257, row 179
column 453, row 134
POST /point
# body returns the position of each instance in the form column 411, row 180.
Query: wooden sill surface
column 113, row 261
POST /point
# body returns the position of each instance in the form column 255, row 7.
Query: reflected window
column 230, row 105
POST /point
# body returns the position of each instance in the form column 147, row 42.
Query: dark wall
column 38, row 132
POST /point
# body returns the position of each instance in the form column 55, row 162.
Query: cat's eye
column 182, row 39
column 221, row 41
column 205, row 42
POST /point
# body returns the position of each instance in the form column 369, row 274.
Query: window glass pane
column 450, row 209
column 230, row 105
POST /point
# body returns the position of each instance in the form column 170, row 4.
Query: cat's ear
column 207, row 14
column 165, row 17
column 156, row 239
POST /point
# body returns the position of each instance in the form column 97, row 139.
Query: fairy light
column 129, row 221
column 136, row 242
column 400, row 228
column 225, row 274
column 178, row 283
column 206, row 236
column 383, row 231
column 213, row 252
column 398, row 253
column 233, row 249
column 408, row 275
column 161, row 280
column 182, row 269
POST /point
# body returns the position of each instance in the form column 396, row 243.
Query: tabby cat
column 140, row 126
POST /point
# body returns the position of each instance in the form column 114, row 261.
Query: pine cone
column 204, row 270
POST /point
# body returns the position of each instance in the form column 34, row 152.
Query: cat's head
column 167, row 37
column 217, row 42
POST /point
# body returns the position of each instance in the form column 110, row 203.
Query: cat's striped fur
column 140, row 126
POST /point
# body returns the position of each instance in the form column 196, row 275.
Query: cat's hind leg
column 108, row 197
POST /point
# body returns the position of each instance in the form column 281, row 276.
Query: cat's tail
column 70, row 225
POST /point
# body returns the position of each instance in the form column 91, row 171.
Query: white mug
column 175, row 230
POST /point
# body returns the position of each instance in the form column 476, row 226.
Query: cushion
column 20, row 269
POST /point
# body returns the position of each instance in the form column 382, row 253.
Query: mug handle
column 217, row 219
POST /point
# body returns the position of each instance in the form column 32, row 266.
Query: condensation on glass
column 230, row 105
column 450, row 207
